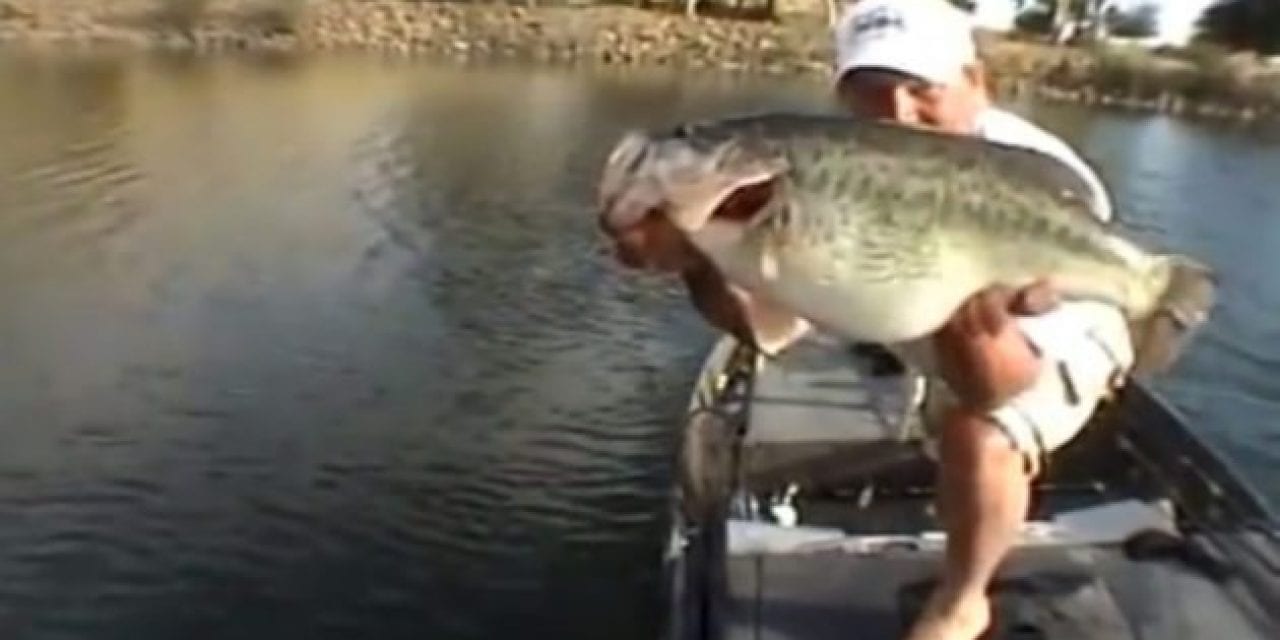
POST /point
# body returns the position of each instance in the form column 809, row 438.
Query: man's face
column 890, row 95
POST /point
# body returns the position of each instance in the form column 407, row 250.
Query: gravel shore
column 795, row 45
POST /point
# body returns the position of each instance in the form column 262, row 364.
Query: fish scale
column 903, row 212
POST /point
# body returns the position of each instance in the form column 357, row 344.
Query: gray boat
column 804, row 510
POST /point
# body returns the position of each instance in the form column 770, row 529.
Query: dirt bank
column 793, row 45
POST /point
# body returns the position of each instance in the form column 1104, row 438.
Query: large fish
column 877, row 232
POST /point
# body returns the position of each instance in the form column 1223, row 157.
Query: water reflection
column 75, row 182
column 353, row 361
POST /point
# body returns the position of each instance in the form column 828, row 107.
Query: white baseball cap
column 929, row 39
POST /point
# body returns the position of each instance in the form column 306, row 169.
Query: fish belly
column 870, row 307
column 876, row 312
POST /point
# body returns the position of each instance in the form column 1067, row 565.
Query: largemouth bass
column 877, row 232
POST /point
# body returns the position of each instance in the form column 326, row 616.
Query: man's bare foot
column 946, row 617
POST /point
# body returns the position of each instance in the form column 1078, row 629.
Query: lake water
column 331, row 349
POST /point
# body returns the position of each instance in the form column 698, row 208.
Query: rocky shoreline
column 795, row 45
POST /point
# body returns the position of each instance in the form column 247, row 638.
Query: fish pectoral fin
column 773, row 328
column 769, row 261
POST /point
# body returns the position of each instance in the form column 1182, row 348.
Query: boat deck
column 1101, row 557
column 1056, row 593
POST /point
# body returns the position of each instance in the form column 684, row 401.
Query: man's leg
column 983, row 492
column 984, row 479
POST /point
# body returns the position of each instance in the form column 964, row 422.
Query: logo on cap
column 878, row 19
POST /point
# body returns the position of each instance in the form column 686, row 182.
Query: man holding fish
column 986, row 266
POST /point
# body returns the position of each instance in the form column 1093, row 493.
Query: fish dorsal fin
column 1063, row 181
column 1036, row 169
column 1042, row 171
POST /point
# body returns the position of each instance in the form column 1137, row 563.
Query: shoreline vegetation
column 1197, row 81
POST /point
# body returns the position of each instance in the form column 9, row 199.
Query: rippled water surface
column 330, row 349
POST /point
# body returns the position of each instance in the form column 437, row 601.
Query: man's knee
column 977, row 440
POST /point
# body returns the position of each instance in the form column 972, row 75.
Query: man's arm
column 711, row 296
column 747, row 318
column 653, row 243
column 981, row 352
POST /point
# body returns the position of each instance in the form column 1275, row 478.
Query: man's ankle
column 958, row 596
column 951, row 616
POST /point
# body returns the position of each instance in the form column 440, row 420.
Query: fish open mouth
column 742, row 204
column 656, row 195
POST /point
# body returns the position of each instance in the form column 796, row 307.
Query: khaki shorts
column 1085, row 350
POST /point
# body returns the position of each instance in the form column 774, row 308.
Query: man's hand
column 982, row 354
column 654, row 243
column 751, row 319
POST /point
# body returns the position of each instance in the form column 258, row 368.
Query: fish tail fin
column 1181, row 307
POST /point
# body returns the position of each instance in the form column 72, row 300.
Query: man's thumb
column 1034, row 299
